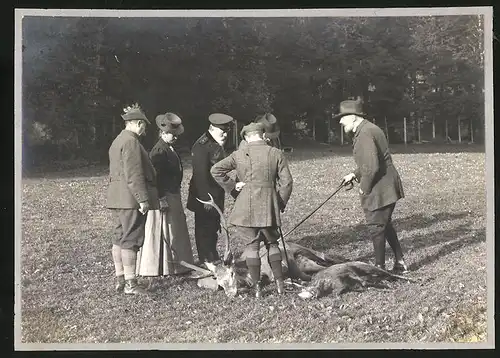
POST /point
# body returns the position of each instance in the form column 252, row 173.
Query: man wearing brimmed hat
column 264, row 190
column 131, row 193
column 271, row 130
column 206, row 151
column 167, row 240
column 379, row 181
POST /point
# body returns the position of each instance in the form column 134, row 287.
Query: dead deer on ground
column 348, row 276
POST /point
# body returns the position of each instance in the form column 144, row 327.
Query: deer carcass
column 347, row 276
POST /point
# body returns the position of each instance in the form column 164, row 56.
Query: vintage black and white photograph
column 261, row 179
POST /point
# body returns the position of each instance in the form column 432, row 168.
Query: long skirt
column 166, row 241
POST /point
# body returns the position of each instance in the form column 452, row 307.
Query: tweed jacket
column 379, row 180
column 268, row 187
column 168, row 165
column 205, row 153
column 132, row 177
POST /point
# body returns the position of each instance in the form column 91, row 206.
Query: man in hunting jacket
column 131, row 193
column 264, row 190
column 379, row 181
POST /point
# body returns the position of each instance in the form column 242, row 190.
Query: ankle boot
column 280, row 286
column 120, row 283
column 133, row 288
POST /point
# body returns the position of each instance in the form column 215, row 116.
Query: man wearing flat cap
column 380, row 185
column 264, row 190
column 206, row 151
column 131, row 193
column 271, row 130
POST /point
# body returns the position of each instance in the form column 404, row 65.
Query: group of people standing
column 144, row 194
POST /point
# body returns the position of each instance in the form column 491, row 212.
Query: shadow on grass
column 348, row 234
column 451, row 239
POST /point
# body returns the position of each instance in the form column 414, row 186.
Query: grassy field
column 67, row 270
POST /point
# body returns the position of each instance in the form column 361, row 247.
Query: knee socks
column 129, row 258
column 117, row 260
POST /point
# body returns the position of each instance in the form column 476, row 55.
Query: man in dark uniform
column 206, row 151
column 380, row 183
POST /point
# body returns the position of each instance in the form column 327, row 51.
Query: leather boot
column 120, row 283
column 280, row 286
column 133, row 288
column 380, row 266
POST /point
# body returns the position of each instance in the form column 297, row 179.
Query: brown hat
column 170, row 123
column 350, row 107
column 270, row 125
column 252, row 127
column 134, row 112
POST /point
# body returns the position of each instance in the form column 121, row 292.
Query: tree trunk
column 471, row 131
column 404, row 130
column 314, row 129
column 459, row 131
column 386, row 129
column 433, row 128
column 418, row 130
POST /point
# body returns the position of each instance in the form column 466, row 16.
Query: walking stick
column 342, row 184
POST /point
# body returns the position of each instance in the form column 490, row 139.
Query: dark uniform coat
column 169, row 171
column 379, row 180
column 205, row 153
column 268, row 187
column 132, row 177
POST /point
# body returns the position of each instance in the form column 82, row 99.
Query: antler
column 227, row 253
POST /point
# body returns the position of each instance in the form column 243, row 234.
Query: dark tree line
column 78, row 74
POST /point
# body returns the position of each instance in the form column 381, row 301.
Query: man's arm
column 285, row 181
column 220, row 172
column 367, row 161
column 133, row 171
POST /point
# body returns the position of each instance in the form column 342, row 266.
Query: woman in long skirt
column 166, row 241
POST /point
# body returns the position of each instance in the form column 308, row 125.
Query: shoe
column 400, row 267
column 380, row 266
column 120, row 283
column 258, row 289
column 133, row 288
column 280, row 286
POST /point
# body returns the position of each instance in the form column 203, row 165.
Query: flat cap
column 252, row 127
column 134, row 112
